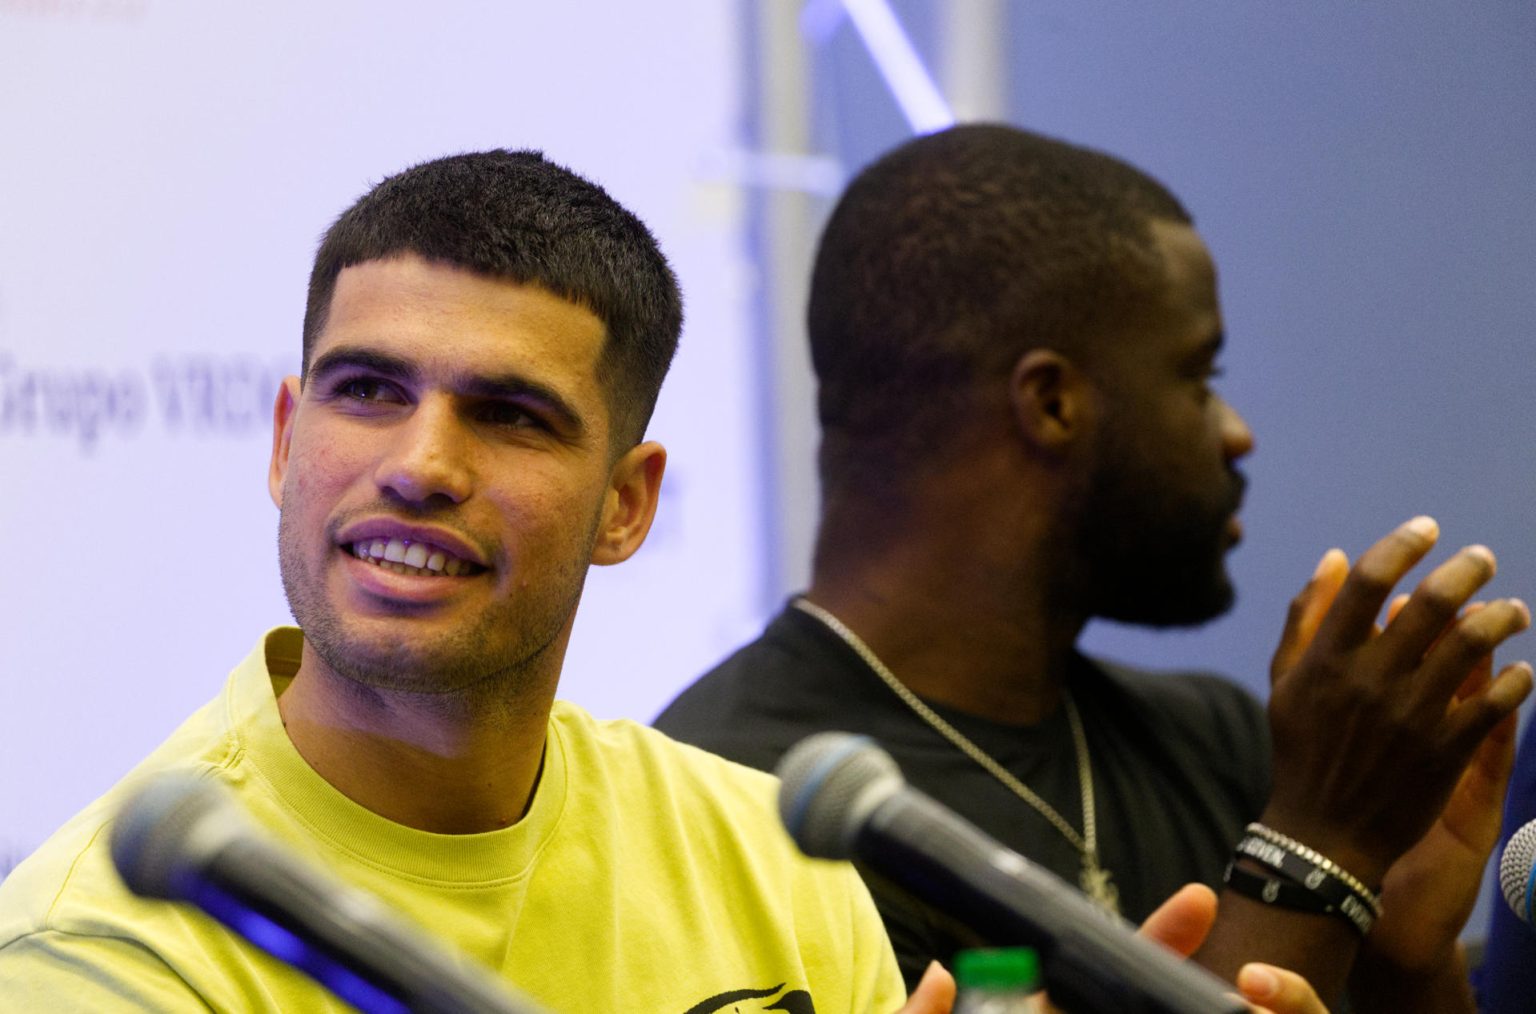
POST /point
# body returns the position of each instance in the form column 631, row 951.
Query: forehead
column 446, row 319
column 1190, row 273
column 1182, row 315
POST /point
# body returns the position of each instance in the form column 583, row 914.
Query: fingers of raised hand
column 1374, row 576
column 1463, row 649
column 1482, row 671
column 1434, row 604
column 1470, row 720
column 1308, row 609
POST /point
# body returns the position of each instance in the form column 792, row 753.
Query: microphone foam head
column 832, row 781
column 153, row 834
column 1515, row 870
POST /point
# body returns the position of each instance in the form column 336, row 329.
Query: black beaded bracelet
column 1334, row 895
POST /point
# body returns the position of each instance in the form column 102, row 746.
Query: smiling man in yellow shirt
column 485, row 338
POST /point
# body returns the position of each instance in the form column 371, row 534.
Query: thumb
column 1278, row 990
column 1182, row 922
column 935, row 992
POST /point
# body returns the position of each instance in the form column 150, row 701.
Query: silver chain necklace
column 1095, row 880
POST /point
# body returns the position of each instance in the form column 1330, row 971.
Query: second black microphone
column 844, row 798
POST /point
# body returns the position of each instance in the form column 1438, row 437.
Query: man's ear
column 283, row 411
column 634, row 488
column 1051, row 399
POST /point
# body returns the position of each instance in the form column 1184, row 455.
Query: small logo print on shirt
column 740, row 1001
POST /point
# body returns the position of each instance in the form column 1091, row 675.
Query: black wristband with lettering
column 1330, row 895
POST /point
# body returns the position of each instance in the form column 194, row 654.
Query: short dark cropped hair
column 950, row 257
column 515, row 215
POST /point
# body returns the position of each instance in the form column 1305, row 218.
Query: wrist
column 1297, row 877
column 1367, row 863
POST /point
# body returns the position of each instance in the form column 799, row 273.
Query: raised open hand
column 1414, row 951
column 1371, row 735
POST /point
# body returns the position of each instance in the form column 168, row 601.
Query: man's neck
column 427, row 761
column 968, row 643
column 953, row 573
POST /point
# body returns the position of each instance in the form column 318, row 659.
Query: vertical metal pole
column 786, row 236
column 973, row 53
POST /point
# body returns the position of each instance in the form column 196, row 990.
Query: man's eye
column 513, row 416
column 365, row 389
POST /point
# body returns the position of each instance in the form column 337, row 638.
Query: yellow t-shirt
column 646, row 876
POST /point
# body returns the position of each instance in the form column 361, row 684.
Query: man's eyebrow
column 356, row 357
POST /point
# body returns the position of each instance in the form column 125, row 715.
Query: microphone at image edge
column 843, row 797
column 184, row 838
column 1517, row 871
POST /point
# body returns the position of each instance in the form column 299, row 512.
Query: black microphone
column 844, row 798
column 1517, row 871
column 183, row 838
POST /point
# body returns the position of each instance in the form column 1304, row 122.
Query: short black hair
column 517, row 216
column 945, row 261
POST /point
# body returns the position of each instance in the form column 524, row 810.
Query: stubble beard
column 1151, row 555
column 502, row 658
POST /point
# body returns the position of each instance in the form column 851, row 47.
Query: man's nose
column 1236, row 437
column 428, row 456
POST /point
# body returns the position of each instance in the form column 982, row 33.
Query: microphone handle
column 1092, row 962
column 344, row 938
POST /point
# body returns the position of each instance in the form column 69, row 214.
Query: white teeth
column 403, row 557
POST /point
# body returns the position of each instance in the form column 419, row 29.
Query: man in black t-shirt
column 1014, row 340
column 1179, row 764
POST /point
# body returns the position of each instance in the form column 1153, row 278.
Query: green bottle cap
column 990, row 968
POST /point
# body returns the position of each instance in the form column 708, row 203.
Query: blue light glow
column 898, row 62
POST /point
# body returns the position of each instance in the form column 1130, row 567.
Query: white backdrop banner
column 168, row 167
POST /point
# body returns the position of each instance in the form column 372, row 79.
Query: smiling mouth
column 418, row 559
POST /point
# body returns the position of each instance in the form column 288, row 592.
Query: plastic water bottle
column 1004, row 980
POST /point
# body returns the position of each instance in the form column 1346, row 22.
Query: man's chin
column 389, row 664
column 1168, row 608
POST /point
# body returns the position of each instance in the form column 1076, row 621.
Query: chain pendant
column 1097, row 885
column 1094, row 880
